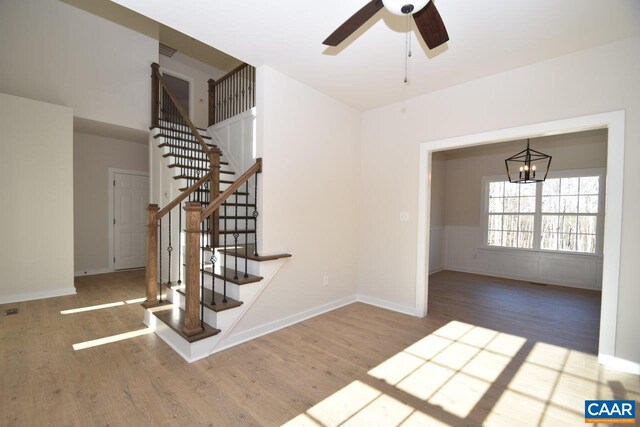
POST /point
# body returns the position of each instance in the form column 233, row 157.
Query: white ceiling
column 367, row 70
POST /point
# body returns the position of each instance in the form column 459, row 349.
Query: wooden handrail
column 215, row 204
column 183, row 195
column 183, row 113
column 230, row 73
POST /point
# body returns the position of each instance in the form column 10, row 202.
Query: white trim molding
column 268, row 328
column 615, row 123
column 389, row 305
column 38, row 295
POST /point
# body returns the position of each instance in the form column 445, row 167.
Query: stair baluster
column 255, row 215
column 246, row 230
column 224, row 269
column 180, row 244
column 235, row 236
column 160, row 259
column 213, row 276
column 169, row 251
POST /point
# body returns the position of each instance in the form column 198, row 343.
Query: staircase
column 204, row 265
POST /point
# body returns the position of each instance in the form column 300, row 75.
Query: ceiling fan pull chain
column 407, row 48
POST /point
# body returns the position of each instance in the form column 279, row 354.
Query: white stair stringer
column 225, row 320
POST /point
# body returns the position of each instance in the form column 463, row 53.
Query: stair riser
column 220, row 319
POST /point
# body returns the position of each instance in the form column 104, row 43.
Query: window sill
column 538, row 251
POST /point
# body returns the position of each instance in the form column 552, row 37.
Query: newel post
column 212, row 102
column 214, row 191
column 192, row 323
column 152, row 256
column 155, row 94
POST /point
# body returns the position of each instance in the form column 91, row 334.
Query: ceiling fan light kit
column 404, row 7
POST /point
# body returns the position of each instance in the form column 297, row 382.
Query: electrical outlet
column 404, row 216
column 325, row 281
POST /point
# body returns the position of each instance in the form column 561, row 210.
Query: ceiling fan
column 424, row 13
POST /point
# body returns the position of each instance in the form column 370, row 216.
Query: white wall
column 200, row 73
column 92, row 157
column 236, row 139
column 438, row 212
column 310, row 147
column 36, row 188
column 606, row 78
column 57, row 53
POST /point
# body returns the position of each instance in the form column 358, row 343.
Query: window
column 564, row 213
column 570, row 214
column 511, row 214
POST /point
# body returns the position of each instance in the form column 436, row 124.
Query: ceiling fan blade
column 431, row 27
column 352, row 24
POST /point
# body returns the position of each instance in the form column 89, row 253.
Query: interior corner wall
column 36, row 188
column 200, row 73
column 437, row 225
column 309, row 143
column 601, row 79
column 92, row 157
column 57, row 53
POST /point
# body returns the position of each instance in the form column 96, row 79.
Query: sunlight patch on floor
column 111, row 339
column 92, row 307
column 462, row 374
column 101, row 306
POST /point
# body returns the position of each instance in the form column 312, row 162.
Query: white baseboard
column 436, row 270
column 404, row 309
column 283, row 323
column 37, row 295
column 619, row 364
column 93, row 272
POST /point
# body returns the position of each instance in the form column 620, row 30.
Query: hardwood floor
column 492, row 352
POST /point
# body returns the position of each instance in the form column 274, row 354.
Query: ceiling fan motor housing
column 402, row 7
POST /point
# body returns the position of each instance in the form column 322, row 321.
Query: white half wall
column 464, row 252
column 602, row 79
column 237, row 140
column 57, row 53
column 93, row 155
column 36, row 190
column 310, row 148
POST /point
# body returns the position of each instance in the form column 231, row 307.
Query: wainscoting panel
column 436, row 249
column 463, row 251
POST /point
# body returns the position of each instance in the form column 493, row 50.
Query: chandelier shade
column 528, row 166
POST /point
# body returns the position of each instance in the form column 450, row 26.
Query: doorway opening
column 182, row 88
column 614, row 123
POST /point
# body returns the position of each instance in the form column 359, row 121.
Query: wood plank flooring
column 491, row 352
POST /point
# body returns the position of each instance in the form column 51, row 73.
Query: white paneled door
column 131, row 197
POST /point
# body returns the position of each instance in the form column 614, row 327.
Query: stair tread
column 241, row 232
column 218, row 297
column 239, row 252
column 233, row 204
column 200, row 190
column 179, row 130
column 175, row 317
column 194, row 148
column 187, row 136
column 229, row 273
column 180, row 165
column 195, row 178
column 182, row 156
